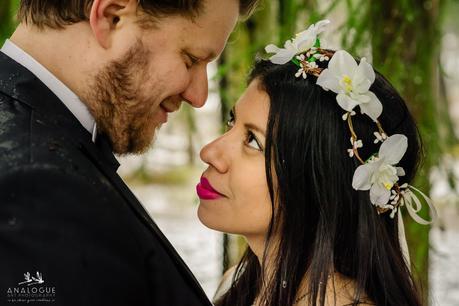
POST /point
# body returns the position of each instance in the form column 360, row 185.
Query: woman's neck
column 257, row 244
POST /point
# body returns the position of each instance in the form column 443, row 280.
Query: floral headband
column 351, row 82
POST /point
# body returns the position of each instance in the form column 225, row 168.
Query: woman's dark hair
column 325, row 225
column 58, row 13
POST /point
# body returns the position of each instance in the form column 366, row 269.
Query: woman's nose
column 215, row 155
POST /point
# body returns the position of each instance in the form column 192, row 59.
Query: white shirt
column 68, row 97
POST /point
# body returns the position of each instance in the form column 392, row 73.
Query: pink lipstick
column 206, row 191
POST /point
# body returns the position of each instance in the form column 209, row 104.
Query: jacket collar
column 64, row 93
column 20, row 84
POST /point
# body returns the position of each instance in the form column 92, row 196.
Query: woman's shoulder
column 225, row 283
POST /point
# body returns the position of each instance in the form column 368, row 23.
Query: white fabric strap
column 402, row 240
column 414, row 206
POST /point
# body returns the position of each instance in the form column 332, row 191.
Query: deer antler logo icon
column 32, row 280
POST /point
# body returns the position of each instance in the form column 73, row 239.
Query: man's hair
column 58, row 13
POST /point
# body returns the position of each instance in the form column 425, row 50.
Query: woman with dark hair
column 321, row 215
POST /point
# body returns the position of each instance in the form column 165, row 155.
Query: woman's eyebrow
column 251, row 126
column 248, row 125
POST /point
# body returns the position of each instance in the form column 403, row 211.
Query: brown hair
column 58, row 13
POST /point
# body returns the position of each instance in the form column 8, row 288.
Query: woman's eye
column 252, row 141
column 231, row 121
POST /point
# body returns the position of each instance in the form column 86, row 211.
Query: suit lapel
column 20, row 84
column 90, row 150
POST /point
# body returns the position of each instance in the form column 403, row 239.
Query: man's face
column 155, row 71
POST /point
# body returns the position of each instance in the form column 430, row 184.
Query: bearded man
column 79, row 81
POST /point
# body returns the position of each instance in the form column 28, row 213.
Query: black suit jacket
column 71, row 232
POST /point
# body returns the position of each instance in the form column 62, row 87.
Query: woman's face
column 233, row 191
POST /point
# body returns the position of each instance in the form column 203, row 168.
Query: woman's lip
column 206, row 191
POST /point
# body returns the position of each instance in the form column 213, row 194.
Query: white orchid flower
column 282, row 55
column 352, row 83
column 306, row 39
column 301, row 43
column 314, row 29
column 380, row 174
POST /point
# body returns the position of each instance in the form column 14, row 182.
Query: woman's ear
column 105, row 18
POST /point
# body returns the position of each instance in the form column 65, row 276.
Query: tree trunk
column 406, row 46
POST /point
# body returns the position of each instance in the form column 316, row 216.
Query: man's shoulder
column 15, row 131
column 27, row 138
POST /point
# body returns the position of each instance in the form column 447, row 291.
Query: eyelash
column 230, row 122
column 249, row 135
column 192, row 59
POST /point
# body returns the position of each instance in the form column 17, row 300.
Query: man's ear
column 106, row 16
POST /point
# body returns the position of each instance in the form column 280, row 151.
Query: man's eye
column 194, row 60
column 191, row 60
column 252, row 141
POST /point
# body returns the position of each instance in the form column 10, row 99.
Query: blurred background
column 414, row 43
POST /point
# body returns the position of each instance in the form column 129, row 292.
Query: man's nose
column 196, row 92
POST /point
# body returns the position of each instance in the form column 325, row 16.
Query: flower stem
column 354, row 137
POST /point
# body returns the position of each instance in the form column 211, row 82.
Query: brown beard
column 115, row 100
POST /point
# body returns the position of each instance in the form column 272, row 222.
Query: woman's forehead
column 253, row 100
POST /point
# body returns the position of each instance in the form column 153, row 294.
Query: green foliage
column 8, row 10
column 406, row 39
column 402, row 36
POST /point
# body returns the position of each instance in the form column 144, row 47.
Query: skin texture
column 131, row 77
column 237, row 170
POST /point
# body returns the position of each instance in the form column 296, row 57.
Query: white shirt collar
column 68, row 97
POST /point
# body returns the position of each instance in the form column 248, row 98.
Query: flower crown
column 351, row 82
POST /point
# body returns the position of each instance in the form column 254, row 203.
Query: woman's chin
column 206, row 217
column 211, row 220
